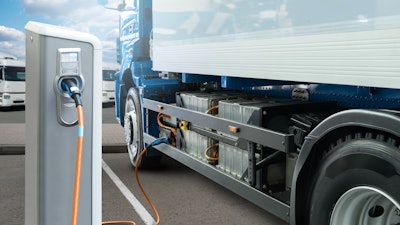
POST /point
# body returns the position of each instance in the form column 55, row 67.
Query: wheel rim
column 130, row 127
column 366, row 206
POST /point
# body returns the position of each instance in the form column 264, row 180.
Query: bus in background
column 108, row 82
column 12, row 81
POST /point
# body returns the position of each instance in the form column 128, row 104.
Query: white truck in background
column 108, row 85
column 12, row 81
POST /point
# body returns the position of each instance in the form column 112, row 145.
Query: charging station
column 53, row 55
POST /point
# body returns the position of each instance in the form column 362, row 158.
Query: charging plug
column 70, row 86
column 159, row 141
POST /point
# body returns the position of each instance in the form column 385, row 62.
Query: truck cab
column 108, row 87
column 12, row 81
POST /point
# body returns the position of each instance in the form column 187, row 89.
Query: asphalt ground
column 181, row 195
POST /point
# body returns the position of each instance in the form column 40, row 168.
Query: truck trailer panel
column 340, row 42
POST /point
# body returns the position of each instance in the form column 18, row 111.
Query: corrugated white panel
column 365, row 58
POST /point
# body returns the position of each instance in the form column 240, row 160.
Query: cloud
column 100, row 22
column 11, row 34
column 109, row 47
column 86, row 16
column 53, row 8
column 15, row 49
column 95, row 19
column 12, row 41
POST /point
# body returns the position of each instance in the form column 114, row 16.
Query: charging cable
column 73, row 91
column 154, row 143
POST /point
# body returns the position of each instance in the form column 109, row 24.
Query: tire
column 133, row 126
column 358, row 182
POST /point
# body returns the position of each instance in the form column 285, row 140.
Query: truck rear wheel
column 358, row 182
column 366, row 205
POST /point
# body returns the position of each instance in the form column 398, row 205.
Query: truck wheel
column 133, row 125
column 358, row 182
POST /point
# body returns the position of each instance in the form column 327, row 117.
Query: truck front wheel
column 358, row 182
column 133, row 125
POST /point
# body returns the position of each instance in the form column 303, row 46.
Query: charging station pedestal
column 54, row 53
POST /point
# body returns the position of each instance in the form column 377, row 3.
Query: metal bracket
column 268, row 138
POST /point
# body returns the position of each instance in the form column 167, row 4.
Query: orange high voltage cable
column 173, row 130
column 159, row 116
column 211, row 109
column 214, row 154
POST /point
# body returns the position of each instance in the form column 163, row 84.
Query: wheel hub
column 366, row 206
column 130, row 127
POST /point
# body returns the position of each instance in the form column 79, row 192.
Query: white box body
column 337, row 42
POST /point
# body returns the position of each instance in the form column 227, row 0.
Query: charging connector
column 71, row 87
column 159, row 141
column 68, row 90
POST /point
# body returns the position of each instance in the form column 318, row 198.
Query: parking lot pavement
column 12, row 187
column 181, row 195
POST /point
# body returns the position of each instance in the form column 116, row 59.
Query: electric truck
column 12, row 81
column 291, row 104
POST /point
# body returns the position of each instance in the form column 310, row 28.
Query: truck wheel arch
column 127, row 83
column 335, row 126
column 128, row 79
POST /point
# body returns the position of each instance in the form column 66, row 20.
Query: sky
column 81, row 15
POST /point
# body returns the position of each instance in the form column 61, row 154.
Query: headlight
column 5, row 96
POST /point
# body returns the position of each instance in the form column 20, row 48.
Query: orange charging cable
column 143, row 191
column 78, row 166
column 141, row 187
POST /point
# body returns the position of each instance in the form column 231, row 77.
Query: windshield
column 108, row 75
column 14, row 73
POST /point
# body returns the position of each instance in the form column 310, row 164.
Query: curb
column 10, row 144
column 20, row 150
column 114, row 149
column 12, row 150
